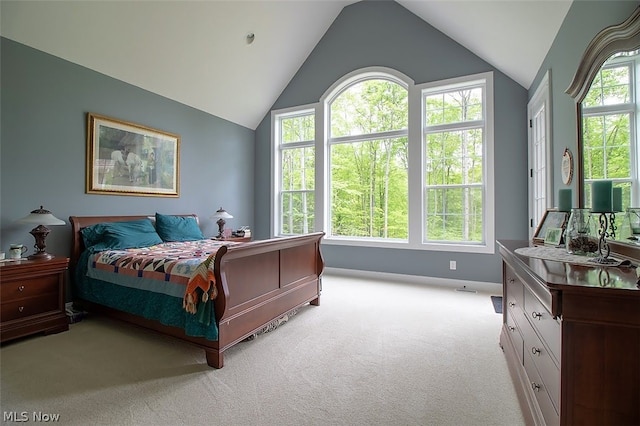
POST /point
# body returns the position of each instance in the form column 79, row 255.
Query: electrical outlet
column 452, row 265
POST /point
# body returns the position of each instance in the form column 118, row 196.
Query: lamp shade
column 221, row 214
column 41, row 217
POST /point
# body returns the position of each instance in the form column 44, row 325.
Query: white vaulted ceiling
column 196, row 52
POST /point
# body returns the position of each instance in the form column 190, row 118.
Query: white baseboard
column 480, row 286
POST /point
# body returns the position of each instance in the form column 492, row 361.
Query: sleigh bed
column 253, row 285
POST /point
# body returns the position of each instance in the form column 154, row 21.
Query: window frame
column 485, row 80
column 329, row 142
column 629, row 108
column 416, row 166
column 276, row 161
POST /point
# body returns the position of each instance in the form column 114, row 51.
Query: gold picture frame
column 125, row 158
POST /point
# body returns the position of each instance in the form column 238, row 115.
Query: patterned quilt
column 174, row 269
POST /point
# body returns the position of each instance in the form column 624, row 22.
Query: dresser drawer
column 514, row 335
column 514, row 287
column 30, row 306
column 541, row 392
column 548, row 328
column 547, row 371
column 19, row 289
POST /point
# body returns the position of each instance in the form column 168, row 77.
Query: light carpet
column 374, row 353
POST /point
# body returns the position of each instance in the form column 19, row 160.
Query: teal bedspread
column 144, row 301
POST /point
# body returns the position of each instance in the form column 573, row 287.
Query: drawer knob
column 536, row 351
column 537, row 315
column 512, row 304
column 21, row 308
column 535, row 387
column 512, row 328
column 511, row 280
column 21, row 288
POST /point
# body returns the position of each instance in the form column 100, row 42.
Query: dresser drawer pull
column 536, row 351
column 512, row 304
column 21, row 308
column 511, row 280
column 21, row 288
column 512, row 328
column 537, row 315
column 535, row 387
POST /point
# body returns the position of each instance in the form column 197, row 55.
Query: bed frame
column 258, row 282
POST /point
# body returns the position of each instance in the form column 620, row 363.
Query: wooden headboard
column 80, row 222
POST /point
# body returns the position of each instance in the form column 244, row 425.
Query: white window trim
column 488, row 170
column 415, row 174
column 631, row 108
column 276, row 166
column 328, row 96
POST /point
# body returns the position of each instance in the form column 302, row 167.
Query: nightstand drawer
column 27, row 307
column 31, row 297
column 23, row 288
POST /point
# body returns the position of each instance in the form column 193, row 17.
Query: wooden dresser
column 32, row 297
column 571, row 336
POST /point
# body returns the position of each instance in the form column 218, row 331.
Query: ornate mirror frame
column 613, row 39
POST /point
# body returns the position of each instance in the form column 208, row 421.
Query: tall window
column 454, row 150
column 295, row 135
column 367, row 145
column 609, row 128
column 392, row 165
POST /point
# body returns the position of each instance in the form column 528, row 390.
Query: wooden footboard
column 258, row 282
column 263, row 280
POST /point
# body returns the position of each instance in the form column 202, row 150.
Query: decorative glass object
column 633, row 214
column 580, row 235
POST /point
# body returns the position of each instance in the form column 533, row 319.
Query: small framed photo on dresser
column 552, row 218
column 553, row 236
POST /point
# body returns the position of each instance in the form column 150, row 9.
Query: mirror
column 606, row 60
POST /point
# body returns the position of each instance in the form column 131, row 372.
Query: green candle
column 564, row 200
column 617, row 199
column 602, row 196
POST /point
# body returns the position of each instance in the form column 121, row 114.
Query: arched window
column 381, row 162
column 367, row 145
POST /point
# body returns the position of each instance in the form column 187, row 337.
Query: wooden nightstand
column 235, row 239
column 32, row 297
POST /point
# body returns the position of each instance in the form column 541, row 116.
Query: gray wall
column 45, row 101
column 583, row 21
column 43, row 143
column 383, row 33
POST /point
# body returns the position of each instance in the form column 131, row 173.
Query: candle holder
column 612, row 226
column 603, row 246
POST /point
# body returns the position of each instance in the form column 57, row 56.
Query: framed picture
column 130, row 159
column 551, row 219
column 553, row 236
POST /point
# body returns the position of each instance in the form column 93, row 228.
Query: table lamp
column 42, row 218
column 221, row 214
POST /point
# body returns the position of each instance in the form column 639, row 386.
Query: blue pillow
column 178, row 228
column 92, row 234
column 120, row 235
